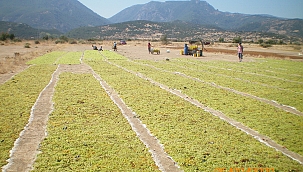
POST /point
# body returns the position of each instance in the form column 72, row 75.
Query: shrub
column 46, row 37
column 82, row 42
column 5, row 36
column 73, row 42
column 164, row 39
column 260, row 41
column 11, row 36
column 59, row 42
column 237, row 40
column 37, row 42
column 297, row 43
column 280, row 42
column 27, row 45
column 63, row 38
column 17, row 40
column 265, row 45
column 271, row 41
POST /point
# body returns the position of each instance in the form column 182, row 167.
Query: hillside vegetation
column 21, row 30
column 175, row 31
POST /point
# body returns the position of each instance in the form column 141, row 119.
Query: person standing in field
column 115, row 46
column 149, row 47
column 240, row 51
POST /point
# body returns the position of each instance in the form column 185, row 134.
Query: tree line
column 6, row 36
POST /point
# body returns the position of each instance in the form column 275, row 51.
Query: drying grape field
column 101, row 111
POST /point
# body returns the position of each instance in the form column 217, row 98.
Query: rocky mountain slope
column 68, row 15
column 201, row 12
column 50, row 14
column 24, row 31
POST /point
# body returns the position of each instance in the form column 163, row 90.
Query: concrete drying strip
column 262, row 138
column 26, row 147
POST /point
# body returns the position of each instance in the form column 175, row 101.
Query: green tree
column 271, row 42
column 164, row 40
column 221, row 40
column 5, row 36
column 45, row 37
column 2, row 37
column 63, row 38
column 260, row 41
column 280, row 42
column 237, row 40
column 11, row 36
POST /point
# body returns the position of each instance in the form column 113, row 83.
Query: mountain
column 174, row 31
column 141, row 29
column 290, row 27
column 167, row 11
column 68, row 15
column 21, row 30
column 201, row 12
column 50, row 14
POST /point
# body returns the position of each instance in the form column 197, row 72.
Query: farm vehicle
column 154, row 51
column 193, row 48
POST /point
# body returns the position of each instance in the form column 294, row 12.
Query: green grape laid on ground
column 174, row 100
column 181, row 127
column 87, row 132
column 70, row 58
column 49, row 58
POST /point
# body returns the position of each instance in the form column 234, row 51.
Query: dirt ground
column 13, row 56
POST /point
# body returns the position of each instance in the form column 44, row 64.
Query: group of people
column 149, row 48
column 101, row 49
column 95, row 48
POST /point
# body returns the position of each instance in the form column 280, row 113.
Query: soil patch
column 13, row 57
column 285, row 55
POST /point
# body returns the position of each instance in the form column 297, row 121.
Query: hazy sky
column 279, row 8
